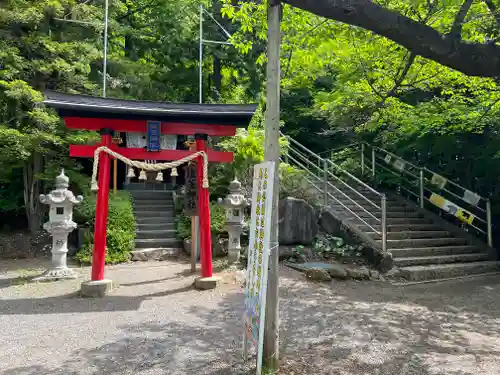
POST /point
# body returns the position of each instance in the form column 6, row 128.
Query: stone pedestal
column 96, row 288
column 59, row 269
column 205, row 283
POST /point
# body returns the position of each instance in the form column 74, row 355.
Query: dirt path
column 154, row 323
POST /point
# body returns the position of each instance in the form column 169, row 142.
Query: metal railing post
column 383, row 207
column 325, row 183
column 421, row 188
column 373, row 163
column 488, row 222
column 362, row 158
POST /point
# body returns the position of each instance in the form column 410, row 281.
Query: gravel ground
column 154, row 323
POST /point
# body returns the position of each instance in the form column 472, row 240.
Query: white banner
column 471, row 197
column 168, row 142
column 136, row 140
column 139, row 140
column 438, row 180
column 258, row 257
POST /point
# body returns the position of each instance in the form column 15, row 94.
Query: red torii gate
column 115, row 115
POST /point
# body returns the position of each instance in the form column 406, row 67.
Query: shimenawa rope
column 148, row 167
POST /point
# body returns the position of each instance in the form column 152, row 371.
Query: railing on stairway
column 428, row 188
column 326, row 176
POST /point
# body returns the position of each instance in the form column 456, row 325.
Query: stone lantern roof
column 61, row 194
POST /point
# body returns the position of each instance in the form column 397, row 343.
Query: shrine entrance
column 153, row 133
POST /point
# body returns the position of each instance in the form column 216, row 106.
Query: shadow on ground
column 343, row 328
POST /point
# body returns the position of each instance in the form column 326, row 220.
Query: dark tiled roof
column 91, row 106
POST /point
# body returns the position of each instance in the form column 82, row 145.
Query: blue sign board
column 154, row 136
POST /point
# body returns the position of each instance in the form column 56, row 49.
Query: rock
column 374, row 275
column 386, row 262
column 392, row 272
column 187, row 245
column 337, row 271
column 318, row 274
column 297, row 223
column 362, row 273
column 329, row 224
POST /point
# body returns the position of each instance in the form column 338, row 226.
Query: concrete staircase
column 156, row 229
column 424, row 246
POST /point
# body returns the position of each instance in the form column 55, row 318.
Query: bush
column 294, row 184
column 120, row 228
column 217, row 222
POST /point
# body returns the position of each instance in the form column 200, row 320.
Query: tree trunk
column 217, row 79
column 31, row 171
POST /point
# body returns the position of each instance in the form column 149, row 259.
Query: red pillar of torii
column 111, row 115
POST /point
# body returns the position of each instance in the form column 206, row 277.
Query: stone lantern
column 60, row 224
column 234, row 204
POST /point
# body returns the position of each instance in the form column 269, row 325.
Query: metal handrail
column 334, row 165
column 354, row 178
column 400, row 158
column 304, row 158
column 424, row 168
column 423, row 184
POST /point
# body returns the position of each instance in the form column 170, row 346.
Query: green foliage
column 183, row 224
column 120, row 229
column 294, row 184
column 217, row 222
column 150, row 56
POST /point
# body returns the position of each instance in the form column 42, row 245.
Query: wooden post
column 116, row 140
column 272, row 153
column 115, row 175
column 194, row 231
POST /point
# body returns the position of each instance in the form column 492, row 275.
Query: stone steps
column 356, row 208
column 167, row 201
column 443, row 271
column 152, row 196
column 159, row 233
column 157, row 243
column 422, row 248
column 413, row 234
column 394, row 228
column 390, row 220
column 390, row 215
column 156, row 253
column 440, row 259
column 155, row 220
column 156, row 226
column 434, row 251
column 140, row 214
column 157, row 207
column 424, row 242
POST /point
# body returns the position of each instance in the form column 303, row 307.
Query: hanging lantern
column 131, row 173
column 159, row 176
column 174, row 173
column 142, row 175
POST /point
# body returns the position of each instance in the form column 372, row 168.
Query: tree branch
column 399, row 80
column 456, row 28
column 473, row 59
column 493, row 10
